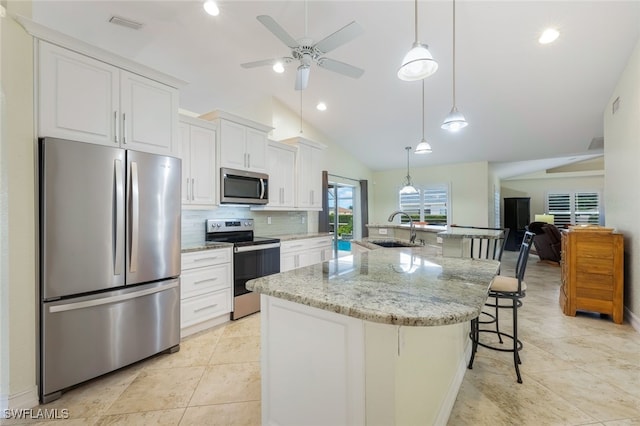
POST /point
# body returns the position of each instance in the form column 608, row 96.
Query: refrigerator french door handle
column 119, row 217
column 112, row 299
column 135, row 217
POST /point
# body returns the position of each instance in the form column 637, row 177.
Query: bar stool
column 510, row 288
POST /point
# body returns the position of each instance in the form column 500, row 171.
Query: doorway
column 341, row 198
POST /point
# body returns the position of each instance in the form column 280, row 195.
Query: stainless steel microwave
column 243, row 187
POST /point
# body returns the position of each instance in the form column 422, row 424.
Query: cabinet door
column 281, row 163
column 315, row 178
column 78, row 97
column 256, row 149
column 149, row 115
column 288, row 178
column 232, row 145
column 185, row 155
column 203, row 170
column 288, row 262
column 309, row 177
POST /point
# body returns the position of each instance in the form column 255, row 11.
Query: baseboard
column 205, row 325
column 24, row 399
column 633, row 319
column 450, row 399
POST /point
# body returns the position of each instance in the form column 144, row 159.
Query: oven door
column 254, row 261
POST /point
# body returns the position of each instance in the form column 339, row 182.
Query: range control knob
column 218, row 225
column 247, row 223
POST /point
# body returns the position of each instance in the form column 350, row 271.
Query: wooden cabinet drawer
column 201, row 308
column 203, row 280
column 197, row 259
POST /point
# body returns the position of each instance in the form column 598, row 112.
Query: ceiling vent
column 597, row 143
column 118, row 20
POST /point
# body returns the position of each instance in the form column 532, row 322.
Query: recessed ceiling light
column 211, row 8
column 321, row 106
column 278, row 67
column 548, row 36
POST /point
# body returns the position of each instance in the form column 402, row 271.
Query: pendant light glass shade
column 454, row 121
column 418, row 62
column 408, row 187
column 423, row 148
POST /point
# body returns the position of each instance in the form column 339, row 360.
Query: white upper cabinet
column 198, row 148
column 309, row 161
column 281, row 170
column 242, row 142
column 88, row 100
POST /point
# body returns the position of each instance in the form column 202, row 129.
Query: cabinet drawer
column 304, row 244
column 204, row 280
column 207, row 306
column 202, row 258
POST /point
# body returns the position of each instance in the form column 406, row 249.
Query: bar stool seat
column 512, row 289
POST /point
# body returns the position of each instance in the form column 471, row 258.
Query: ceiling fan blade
column 340, row 67
column 277, row 30
column 265, row 62
column 340, row 37
column 302, row 77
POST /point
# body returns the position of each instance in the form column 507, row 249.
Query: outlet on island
column 382, row 231
column 268, row 220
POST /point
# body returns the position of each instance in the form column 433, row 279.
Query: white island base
column 324, row 368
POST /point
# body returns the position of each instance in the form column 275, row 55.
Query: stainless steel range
column 253, row 257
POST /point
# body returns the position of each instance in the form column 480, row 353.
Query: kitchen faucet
column 412, row 227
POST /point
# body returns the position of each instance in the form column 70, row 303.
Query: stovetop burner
column 236, row 231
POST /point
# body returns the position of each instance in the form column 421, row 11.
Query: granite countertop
column 291, row 237
column 462, row 232
column 369, row 242
column 205, row 246
column 401, row 286
column 419, row 227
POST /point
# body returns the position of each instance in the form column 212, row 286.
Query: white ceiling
column 524, row 101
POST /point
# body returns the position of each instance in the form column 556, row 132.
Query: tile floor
column 576, row 371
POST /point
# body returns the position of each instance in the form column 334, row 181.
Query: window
column 574, row 208
column 428, row 205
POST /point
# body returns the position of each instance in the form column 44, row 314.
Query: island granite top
column 400, row 286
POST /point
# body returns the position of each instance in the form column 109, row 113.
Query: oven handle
column 255, row 247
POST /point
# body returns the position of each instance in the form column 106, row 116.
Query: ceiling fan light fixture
column 211, row 8
column 417, row 63
column 278, row 67
column 454, row 121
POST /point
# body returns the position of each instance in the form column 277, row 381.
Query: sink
column 391, row 244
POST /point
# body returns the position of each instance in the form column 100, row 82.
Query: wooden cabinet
column 84, row 99
column 281, row 171
column 592, row 272
column 198, row 153
column 304, row 252
column 206, row 289
column 242, row 143
column 309, row 162
column 516, row 217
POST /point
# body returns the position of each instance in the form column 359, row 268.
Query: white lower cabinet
column 304, row 252
column 206, row 289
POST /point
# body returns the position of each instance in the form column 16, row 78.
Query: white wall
column 468, row 183
column 17, row 210
column 622, row 176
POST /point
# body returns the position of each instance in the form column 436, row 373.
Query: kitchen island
column 377, row 338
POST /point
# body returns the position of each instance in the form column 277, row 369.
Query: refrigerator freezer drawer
column 88, row 336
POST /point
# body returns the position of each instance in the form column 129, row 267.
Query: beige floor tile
column 621, row 373
column 591, row 394
column 194, row 351
column 239, row 413
column 160, row 418
column 158, row 389
column 228, row 383
column 236, row 349
column 625, row 422
column 247, row 326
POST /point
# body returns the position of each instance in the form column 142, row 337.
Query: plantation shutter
column 410, row 203
column 559, row 205
column 587, row 207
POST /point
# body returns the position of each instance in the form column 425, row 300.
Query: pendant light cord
column 415, row 15
column 454, row 53
column 301, row 111
column 422, row 110
column 408, row 148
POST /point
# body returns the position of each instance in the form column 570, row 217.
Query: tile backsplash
column 282, row 222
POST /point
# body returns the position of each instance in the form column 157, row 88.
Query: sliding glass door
column 342, row 208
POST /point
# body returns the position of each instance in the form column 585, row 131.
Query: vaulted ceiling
column 523, row 100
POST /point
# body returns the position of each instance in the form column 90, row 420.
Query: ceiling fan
column 308, row 52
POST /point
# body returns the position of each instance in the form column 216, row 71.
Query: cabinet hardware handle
column 248, row 161
column 205, row 307
column 297, row 245
column 188, row 189
column 205, row 281
column 115, row 127
column 193, row 189
column 200, row 259
column 124, row 128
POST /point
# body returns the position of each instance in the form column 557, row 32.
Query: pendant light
column 408, row 187
column 455, row 120
column 418, row 62
column 423, row 147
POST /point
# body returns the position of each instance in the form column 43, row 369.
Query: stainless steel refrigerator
column 109, row 260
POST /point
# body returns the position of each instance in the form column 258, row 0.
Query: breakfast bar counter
column 379, row 337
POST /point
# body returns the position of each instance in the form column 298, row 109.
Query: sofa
column 547, row 241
